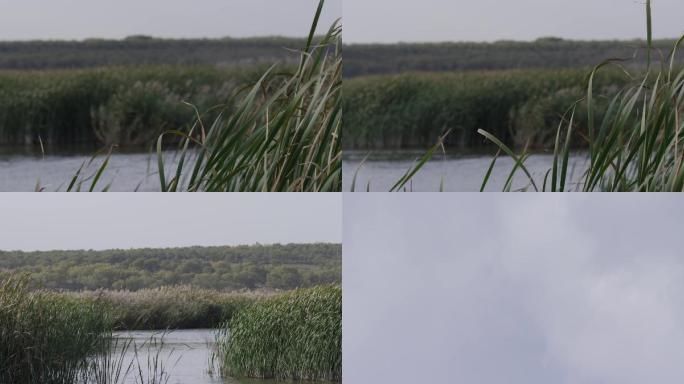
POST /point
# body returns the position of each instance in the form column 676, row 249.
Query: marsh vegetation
column 273, row 125
column 126, row 107
column 624, row 114
column 65, row 338
column 297, row 335
column 413, row 110
column 634, row 145
column 121, row 316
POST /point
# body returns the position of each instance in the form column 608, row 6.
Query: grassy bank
column 297, row 335
column 413, row 110
column 122, row 106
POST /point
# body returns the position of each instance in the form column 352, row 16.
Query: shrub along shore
column 519, row 106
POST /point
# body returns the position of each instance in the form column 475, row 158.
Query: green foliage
column 47, row 338
column 121, row 106
column 297, row 335
column 238, row 267
column 521, row 107
column 283, row 135
column 636, row 145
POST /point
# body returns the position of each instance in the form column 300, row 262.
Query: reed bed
column 282, row 135
column 67, row 338
column 413, row 110
column 111, row 106
column 632, row 134
column 178, row 307
column 635, row 146
column 297, row 335
column 47, row 338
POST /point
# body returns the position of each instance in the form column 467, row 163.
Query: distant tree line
column 225, row 268
column 359, row 59
column 548, row 53
column 145, row 50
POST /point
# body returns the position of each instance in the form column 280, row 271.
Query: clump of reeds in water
column 297, row 335
column 636, row 146
column 47, row 338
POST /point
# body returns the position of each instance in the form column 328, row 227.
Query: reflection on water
column 21, row 171
column 459, row 173
column 184, row 354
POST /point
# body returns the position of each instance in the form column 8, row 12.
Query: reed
column 47, row 338
column 282, row 135
column 632, row 135
column 178, row 307
column 110, row 106
column 297, row 335
column 635, row 146
column 413, row 110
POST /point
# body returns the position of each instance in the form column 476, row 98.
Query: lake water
column 126, row 172
column 460, row 173
column 185, row 355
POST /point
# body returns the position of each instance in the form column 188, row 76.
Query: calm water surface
column 185, row 355
column 21, row 171
column 460, row 173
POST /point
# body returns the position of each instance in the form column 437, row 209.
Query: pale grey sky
column 78, row 19
column 528, row 289
column 130, row 220
column 487, row 20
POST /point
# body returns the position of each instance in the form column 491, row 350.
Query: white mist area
column 466, row 288
column 389, row 21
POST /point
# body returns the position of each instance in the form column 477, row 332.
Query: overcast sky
column 78, row 19
column 129, row 220
column 464, row 288
column 487, row 20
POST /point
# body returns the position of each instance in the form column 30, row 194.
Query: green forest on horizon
column 277, row 266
